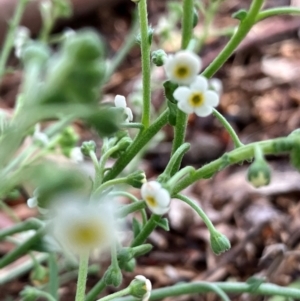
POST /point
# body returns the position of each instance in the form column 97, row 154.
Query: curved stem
column 236, row 39
column 146, row 68
column 127, row 209
column 82, row 276
column 109, row 183
column 246, row 152
column 199, row 211
column 229, row 128
column 120, row 293
column 53, row 276
column 277, row 11
column 265, row 289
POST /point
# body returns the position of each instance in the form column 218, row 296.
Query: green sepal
column 163, row 223
column 195, row 17
column 240, row 14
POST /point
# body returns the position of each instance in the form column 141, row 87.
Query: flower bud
column 87, row 147
column 219, row 243
column 113, row 276
column 140, row 287
column 125, row 254
column 35, row 52
column 130, row 265
column 29, row 294
column 158, row 57
column 39, row 275
column 137, row 179
column 259, row 173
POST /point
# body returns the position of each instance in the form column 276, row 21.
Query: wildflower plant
column 78, row 212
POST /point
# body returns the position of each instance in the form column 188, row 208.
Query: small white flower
column 76, row 155
column 183, row 67
column 120, row 102
column 21, row 38
column 80, row 226
column 32, row 202
column 196, row 98
column 156, row 197
column 147, row 286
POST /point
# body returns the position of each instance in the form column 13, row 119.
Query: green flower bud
column 259, row 173
column 63, row 8
column 140, row 287
column 130, row 265
column 137, row 179
column 113, row 276
column 150, row 36
column 67, row 140
column 158, row 57
column 29, row 294
column 87, row 147
column 125, row 254
column 39, row 275
column 219, row 243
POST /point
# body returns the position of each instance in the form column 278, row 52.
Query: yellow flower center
column 151, row 201
column 182, row 71
column 196, row 99
column 87, row 234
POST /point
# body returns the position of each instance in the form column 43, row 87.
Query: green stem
column 10, row 37
column 133, row 125
column 187, row 23
column 127, row 209
column 181, row 118
column 175, row 161
column 146, row 231
column 53, row 276
column 277, row 11
column 198, row 210
column 105, row 185
column 246, row 152
column 120, row 293
column 124, row 211
column 96, row 290
column 229, row 128
column 82, row 276
column 265, row 289
column 146, row 68
column 21, row 249
column 98, row 171
column 42, row 294
column 236, row 39
column 140, row 141
column 181, row 173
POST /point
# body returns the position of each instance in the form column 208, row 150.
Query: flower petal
column 211, row 98
column 182, row 93
column 203, row 111
column 185, row 107
column 159, row 210
column 162, row 197
column 129, row 114
column 199, row 84
column 149, row 189
column 120, row 101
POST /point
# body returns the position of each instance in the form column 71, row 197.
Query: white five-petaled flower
column 157, row 198
column 196, row 98
column 183, row 67
column 120, row 102
column 80, row 226
column 147, row 286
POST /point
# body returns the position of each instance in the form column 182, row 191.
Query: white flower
column 120, row 102
column 156, row 197
column 32, row 202
column 80, row 226
column 76, row 155
column 196, row 98
column 183, row 67
column 147, row 286
column 21, row 38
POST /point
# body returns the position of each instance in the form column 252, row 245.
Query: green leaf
column 240, row 14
